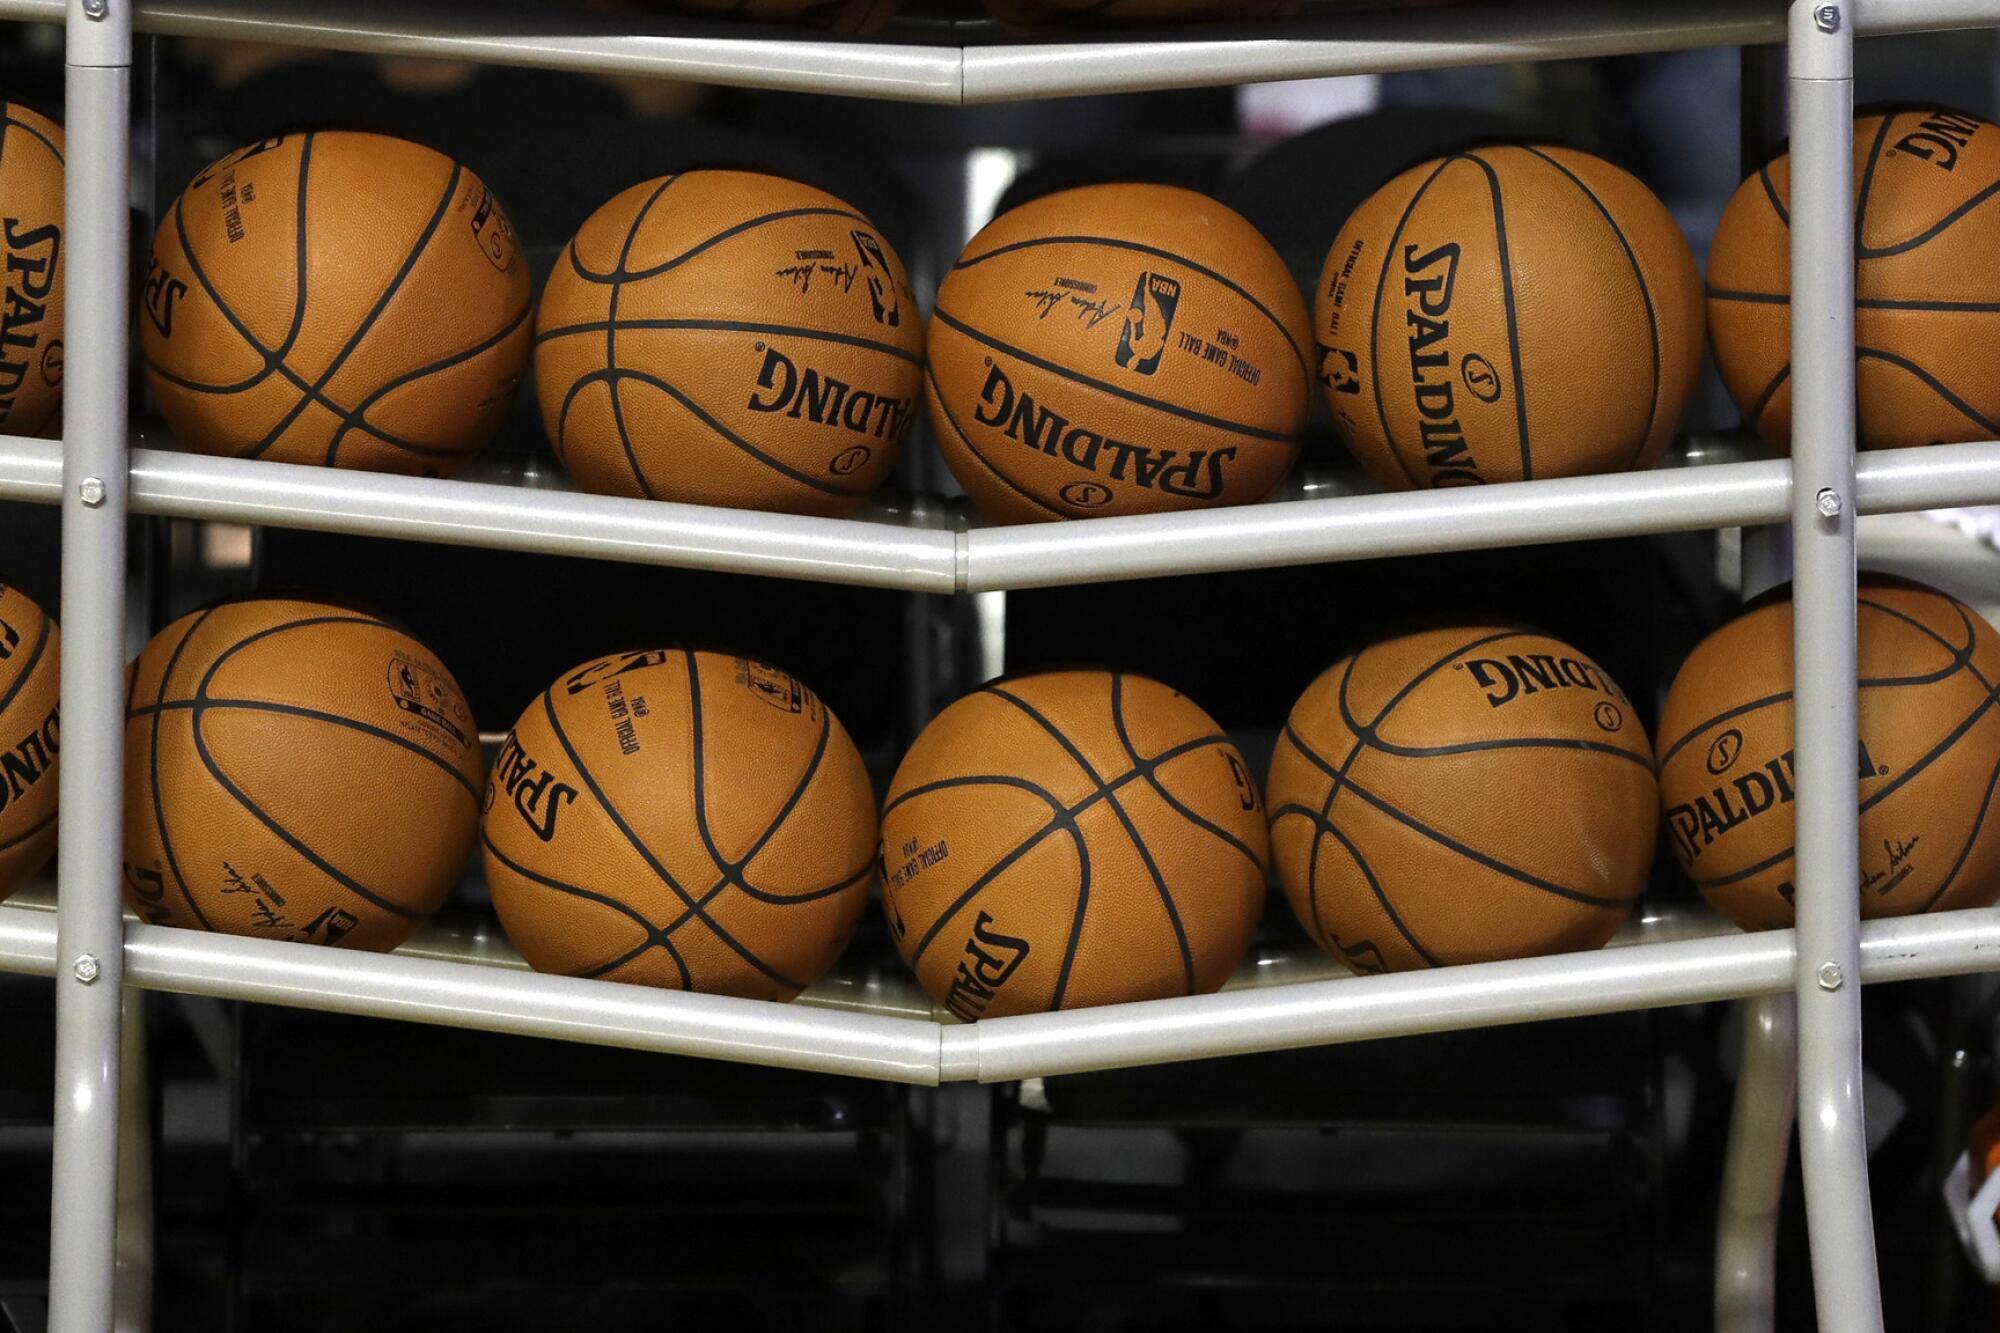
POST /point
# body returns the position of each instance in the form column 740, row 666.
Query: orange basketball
column 30, row 736
column 683, row 819
column 337, row 298
column 1117, row 349
column 1508, row 313
column 1459, row 795
column 31, row 290
column 1070, row 839
column 1928, row 765
column 295, row 770
column 1927, row 367
column 725, row 338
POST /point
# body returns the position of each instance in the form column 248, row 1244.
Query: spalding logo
column 1480, row 378
column 1723, row 751
column 1938, row 137
column 1086, row 495
column 847, row 460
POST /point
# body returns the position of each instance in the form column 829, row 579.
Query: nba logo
column 1148, row 321
column 881, row 286
column 1339, row 370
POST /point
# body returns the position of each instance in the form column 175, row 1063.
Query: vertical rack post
column 1826, row 977
column 90, row 929
column 1753, row 1172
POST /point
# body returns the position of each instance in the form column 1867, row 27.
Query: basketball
column 1927, row 767
column 30, row 732
column 338, row 298
column 31, row 315
column 1459, row 795
column 848, row 16
column 1508, row 313
column 726, row 338
column 1927, row 367
column 1117, row 349
column 683, row 819
column 1070, row 839
column 295, row 770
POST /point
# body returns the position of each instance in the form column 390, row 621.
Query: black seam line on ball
column 1103, row 386
column 1862, row 303
column 1153, row 779
column 1961, row 660
column 616, row 374
column 1902, row 779
column 153, row 771
column 1131, row 836
column 20, row 682
column 367, row 324
column 731, row 326
column 310, row 715
column 979, row 455
column 646, row 853
column 1932, row 233
column 1961, row 653
column 1472, row 854
column 591, row 895
column 733, row 872
column 11, row 843
column 621, row 274
column 222, row 779
column 1645, row 295
column 1771, row 194
column 1061, row 817
column 1930, row 382
column 1323, row 828
column 1375, row 324
column 1867, row 187
column 617, row 284
column 357, row 419
column 1113, row 243
column 1145, row 853
column 1965, row 850
column 1763, row 403
column 1513, row 324
column 28, row 129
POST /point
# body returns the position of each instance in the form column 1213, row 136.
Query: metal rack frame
column 94, row 955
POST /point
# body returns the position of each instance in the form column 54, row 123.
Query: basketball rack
column 1803, row 984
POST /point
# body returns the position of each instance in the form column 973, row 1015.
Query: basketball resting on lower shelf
column 30, row 737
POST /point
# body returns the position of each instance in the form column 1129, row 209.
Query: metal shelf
column 919, row 558
column 963, row 64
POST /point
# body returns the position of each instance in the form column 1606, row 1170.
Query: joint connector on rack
column 1821, row 42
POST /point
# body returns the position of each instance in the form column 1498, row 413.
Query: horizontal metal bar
column 695, row 50
column 952, row 63
column 1480, row 995
column 901, row 1047
column 887, row 555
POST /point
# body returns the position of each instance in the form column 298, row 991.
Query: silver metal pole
column 1753, row 1173
column 1833, row 1141
column 132, row 1302
column 90, row 926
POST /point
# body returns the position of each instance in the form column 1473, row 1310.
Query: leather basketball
column 1926, row 772
column 336, row 298
column 684, row 819
column 295, row 770
column 1927, row 367
column 726, row 338
column 1505, row 314
column 1069, row 839
column 30, row 736
column 1459, row 795
column 31, row 289
column 1117, row 349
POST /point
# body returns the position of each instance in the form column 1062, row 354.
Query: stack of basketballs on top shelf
column 699, row 820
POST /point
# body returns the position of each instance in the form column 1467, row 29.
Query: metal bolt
column 1829, row 976
column 1826, row 18
column 96, row 9
column 1828, row 502
column 86, row 968
column 91, row 491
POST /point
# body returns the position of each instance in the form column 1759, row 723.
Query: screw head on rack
column 91, row 491
column 96, row 9
column 1828, row 502
column 1826, row 18
column 86, row 968
column 1829, row 976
